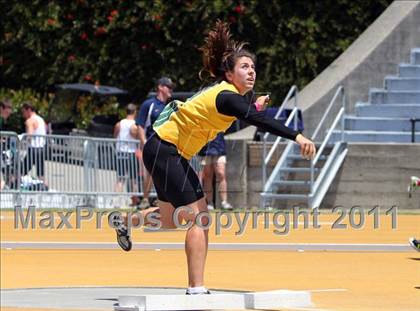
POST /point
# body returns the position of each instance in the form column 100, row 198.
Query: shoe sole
column 411, row 242
column 204, row 293
column 125, row 245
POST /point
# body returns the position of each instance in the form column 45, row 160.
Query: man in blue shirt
column 150, row 110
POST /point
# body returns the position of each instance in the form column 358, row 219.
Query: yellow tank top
column 191, row 125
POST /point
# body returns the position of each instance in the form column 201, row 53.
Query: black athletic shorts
column 174, row 179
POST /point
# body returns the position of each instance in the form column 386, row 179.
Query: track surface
column 364, row 269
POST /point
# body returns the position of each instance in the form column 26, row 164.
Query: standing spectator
column 124, row 131
column 149, row 112
column 5, row 112
column 6, row 174
column 35, row 127
column 214, row 164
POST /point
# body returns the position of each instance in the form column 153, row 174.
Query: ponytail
column 220, row 52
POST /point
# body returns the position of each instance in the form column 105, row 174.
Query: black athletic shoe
column 123, row 236
column 202, row 293
column 414, row 244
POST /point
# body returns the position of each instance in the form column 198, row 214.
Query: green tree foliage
column 15, row 122
column 130, row 43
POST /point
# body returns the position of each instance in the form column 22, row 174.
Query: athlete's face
column 243, row 74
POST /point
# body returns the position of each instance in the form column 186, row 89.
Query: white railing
column 339, row 118
column 293, row 92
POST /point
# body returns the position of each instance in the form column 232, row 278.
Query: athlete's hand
column 307, row 147
column 262, row 102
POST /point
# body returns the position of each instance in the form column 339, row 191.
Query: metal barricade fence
column 55, row 171
column 9, row 163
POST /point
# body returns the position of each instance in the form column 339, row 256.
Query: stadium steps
column 387, row 115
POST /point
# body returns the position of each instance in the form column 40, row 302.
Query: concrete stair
column 377, row 124
column 409, row 71
column 402, row 84
column 387, row 114
column 394, row 97
column 388, row 111
column 415, row 56
column 377, row 136
column 292, row 184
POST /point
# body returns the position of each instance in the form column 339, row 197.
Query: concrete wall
column 372, row 174
column 375, row 54
column 376, row 174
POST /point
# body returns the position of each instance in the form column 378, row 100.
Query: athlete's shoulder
column 226, row 86
column 219, row 86
column 214, row 90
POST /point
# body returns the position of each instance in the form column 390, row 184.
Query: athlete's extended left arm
column 233, row 104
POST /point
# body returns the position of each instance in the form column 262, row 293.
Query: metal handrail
column 284, row 155
column 314, row 184
column 413, row 129
column 279, row 165
column 292, row 115
column 339, row 117
column 340, row 91
column 293, row 91
column 327, row 137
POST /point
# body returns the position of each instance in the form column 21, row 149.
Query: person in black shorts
column 183, row 128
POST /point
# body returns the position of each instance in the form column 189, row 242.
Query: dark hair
column 131, row 108
column 220, row 52
column 28, row 105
